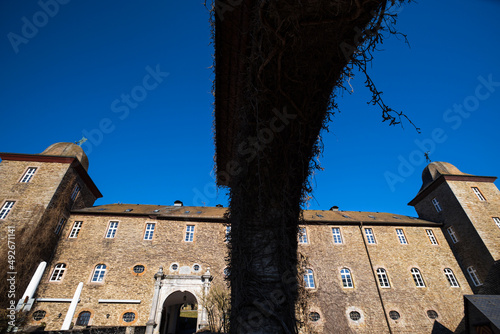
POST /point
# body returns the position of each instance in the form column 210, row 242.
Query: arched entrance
column 179, row 313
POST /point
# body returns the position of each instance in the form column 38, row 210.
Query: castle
column 137, row 265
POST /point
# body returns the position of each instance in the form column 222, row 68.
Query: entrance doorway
column 179, row 313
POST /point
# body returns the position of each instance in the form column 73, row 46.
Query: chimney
column 178, row 203
column 334, row 208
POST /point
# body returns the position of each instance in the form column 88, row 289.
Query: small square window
column 28, row 175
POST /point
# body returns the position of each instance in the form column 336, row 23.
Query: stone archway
column 175, row 318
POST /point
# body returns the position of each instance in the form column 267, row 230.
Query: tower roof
column 68, row 150
column 435, row 169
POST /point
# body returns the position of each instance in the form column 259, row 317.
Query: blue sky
column 135, row 78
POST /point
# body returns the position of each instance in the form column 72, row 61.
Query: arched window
column 83, row 318
column 451, row 277
column 58, row 272
column 473, row 276
column 99, row 272
column 417, row 277
column 382, row 278
column 309, row 279
column 345, row 274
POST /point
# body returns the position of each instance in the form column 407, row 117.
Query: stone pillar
column 72, row 308
column 206, row 279
column 151, row 322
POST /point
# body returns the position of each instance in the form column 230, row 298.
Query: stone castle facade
column 137, row 265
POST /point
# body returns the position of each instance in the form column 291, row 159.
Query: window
column 432, row 314
column 369, row 235
column 58, row 272
column 436, row 205
column 451, row 277
column 113, row 226
column 345, row 275
column 83, row 318
column 355, row 315
column 75, row 230
column 478, row 194
column 28, row 175
column 129, row 317
column 314, row 316
column 196, row 267
column 39, row 315
column 401, row 236
column 431, row 236
column 7, row 206
column 138, row 269
column 497, row 221
column 417, row 277
column 452, row 234
column 60, row 225
column 227, row 237
column 150, row 229
column 189, row 233
column 99, row 272
column 174, row 266
column 394, row 315
column 473, row 276
column 309, row 279
column 383, row 280
column 302, row 235
column 337, row 237
column 75, row 192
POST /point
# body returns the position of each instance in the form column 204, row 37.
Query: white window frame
column 303, row 235
column 6, row 208
column 496, row 220
column 432, row 237
column 77, row 226
column 60, row 225
column 478, row 194
column 370, row 237
column 473, row 276
column 435, row 202
column 149, row 231
column 452, row 234
column 337, row 235
column 58, row 272
column 346, row 277
column 417, row 278
column 112, row 228
column 451, row 278
column 401, row 236
column 75, row 192
column 309, row 279
column 98, row 273
column 28, row 175
column 189, row 237
column 383, row 278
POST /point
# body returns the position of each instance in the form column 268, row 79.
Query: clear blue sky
column 67, row 71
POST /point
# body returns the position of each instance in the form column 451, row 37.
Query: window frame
column 436, row 204
column 75, row 230
column 60, row 225
column 400, row 233
column 112, row 229
column 479, row 194
column 76, row 191
column 383, row 278
column 346, row 278
column 309, row 281
column 452, row 234
column 450, row 276
column 78, row 323
column 418, row 278
column 370, row 236
column 431, row 236
column 99, row 273
column 6, row 209
column 303, row 239
column 58, row 272
column 28, row 175
column 336, row 236
column 227, row 233
column 473, row 276
column 496, row 220
column 189, row 233
column 149, row 232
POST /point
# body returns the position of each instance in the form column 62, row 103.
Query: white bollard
column 31, row 289
column 72, row 308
